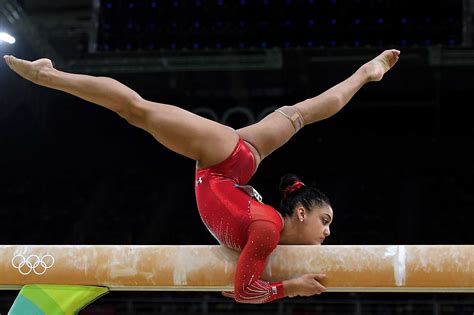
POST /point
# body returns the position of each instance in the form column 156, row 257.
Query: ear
column 301, row 213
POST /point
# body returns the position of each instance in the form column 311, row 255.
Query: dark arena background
column 396, row 162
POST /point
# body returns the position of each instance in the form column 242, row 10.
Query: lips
column 322, row 239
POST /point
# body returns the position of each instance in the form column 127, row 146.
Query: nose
column 327, row 232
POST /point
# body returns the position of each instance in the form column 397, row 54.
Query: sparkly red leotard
column 241, row 222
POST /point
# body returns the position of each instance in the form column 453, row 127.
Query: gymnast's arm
column 263, row 238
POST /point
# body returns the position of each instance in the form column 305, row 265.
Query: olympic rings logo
column 33, row 263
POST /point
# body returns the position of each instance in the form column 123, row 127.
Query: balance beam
column 408, row 268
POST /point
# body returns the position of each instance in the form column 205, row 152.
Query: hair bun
column 286, row 181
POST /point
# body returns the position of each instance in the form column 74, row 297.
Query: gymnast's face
column 314, row 224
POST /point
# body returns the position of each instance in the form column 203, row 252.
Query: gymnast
column 226, row 160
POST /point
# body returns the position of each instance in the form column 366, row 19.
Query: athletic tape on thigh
column 293, row 115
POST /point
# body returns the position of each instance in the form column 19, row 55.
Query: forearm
column 102, row 91
column 333, row 100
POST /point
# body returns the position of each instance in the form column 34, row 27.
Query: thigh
column 186, row 133
column 269, row 134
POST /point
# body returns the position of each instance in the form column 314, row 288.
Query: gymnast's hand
column 306, row 285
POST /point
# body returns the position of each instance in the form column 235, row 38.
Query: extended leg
column 278, row 127
column 181, row 131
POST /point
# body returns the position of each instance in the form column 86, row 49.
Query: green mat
column 55, row 299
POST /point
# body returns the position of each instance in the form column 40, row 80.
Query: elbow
column 239, row 296
column 248, row 296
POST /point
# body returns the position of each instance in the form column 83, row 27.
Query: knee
column 135, row 111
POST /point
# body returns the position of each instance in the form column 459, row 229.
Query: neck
column 287, row 235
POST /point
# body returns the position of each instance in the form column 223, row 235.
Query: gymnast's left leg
column 278, row 127
column 181, row 131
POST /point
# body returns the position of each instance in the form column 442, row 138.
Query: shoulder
column 262, row 237
column 262, row 212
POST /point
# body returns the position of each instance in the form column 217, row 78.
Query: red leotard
column 240, row 222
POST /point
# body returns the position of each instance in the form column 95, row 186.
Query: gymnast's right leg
column 278, row 127
column 188, row 134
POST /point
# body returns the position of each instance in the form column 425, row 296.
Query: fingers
column 314, row 287
column 319, row 276
column 319, row 288
column 310, row 284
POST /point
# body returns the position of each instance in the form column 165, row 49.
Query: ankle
column 45, row 77
column 365, row 72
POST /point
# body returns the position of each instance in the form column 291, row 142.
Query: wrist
column 289, row 288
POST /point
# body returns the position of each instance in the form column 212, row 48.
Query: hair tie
column 288, row 190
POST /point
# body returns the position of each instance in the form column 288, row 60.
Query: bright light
column 7, row 38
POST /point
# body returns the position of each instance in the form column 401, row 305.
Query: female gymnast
column 226, row 160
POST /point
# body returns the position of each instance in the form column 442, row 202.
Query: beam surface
column 389, row 268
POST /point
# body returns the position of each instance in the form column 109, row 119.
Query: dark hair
column 305, row 196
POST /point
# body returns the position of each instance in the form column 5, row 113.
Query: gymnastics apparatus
column 64, row 279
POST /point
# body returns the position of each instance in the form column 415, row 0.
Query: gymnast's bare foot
column 378, row 66
column 36, row 71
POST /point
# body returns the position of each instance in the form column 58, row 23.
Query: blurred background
column 396, row 162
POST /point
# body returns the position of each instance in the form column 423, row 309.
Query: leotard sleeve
column 263, row 237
